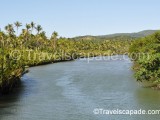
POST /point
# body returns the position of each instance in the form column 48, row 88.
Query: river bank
column 28, row 49
column 8, row 85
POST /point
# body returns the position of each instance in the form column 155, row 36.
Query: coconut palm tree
column 9, row 28
column 38, row 28
column 54, row 38
column 32, row 26
column 28, row 26
column 43, row 35
column 55, row 34
column 17, row 24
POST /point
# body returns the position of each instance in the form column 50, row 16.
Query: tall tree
column 54, row 38
column 9, row 28
column 32, row 26
column 17, row 24
column 38, row 28
column 28, row 26
column 43, row 35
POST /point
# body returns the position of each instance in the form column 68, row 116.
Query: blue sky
column 83, row 17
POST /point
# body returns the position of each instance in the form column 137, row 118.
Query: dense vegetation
column 31, row 47
column 147, row 66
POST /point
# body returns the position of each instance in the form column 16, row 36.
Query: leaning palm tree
column 38, row 28
column 32, row 26
column 17, row 24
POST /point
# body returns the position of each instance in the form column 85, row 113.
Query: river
column 72, row 90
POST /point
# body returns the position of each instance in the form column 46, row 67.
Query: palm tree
column 32, row 26
column 17, row 24
column 9, row 28
column 54, row 38
column 43, row 35
column 28, row 26
column 38, row 28
column 55, row 34
column 24, row 32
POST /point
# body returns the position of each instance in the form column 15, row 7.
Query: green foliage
column 28, row 49
column 148, row 67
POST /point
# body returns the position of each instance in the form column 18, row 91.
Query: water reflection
column 9, row 101
column 147, row 98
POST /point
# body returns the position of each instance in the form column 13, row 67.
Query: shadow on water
column 9, row 101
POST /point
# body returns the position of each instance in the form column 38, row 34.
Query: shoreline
column 14, row 81
column 7, row 87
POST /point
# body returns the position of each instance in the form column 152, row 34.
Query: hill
column 119, row 36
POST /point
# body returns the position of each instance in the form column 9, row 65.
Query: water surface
column 72, row 90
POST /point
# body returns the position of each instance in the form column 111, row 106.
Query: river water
column 72, row 90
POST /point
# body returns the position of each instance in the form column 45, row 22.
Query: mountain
column 117, row 35
column 136, row 35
